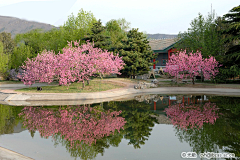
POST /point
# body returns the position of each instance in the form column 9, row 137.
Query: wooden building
column 164, row 48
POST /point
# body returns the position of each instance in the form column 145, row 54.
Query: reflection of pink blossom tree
column 193, row 116
column 76, row 63
column 75, row 124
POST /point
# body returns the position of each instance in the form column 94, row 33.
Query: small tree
column 191, row 65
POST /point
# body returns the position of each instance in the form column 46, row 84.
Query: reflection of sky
column 162, row 144
column 36, row 148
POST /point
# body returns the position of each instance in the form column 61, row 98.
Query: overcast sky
column 151, row 16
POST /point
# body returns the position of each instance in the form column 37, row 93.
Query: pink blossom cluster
column 75, row 124
column 192, row 116
column 76, row 63
column 193, row 63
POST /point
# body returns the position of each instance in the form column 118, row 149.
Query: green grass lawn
column 94, row 86
column 198, row 85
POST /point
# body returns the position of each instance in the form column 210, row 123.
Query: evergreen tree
column 201, row 36
column 98, row 36
column 232, row 60
column 136, row 53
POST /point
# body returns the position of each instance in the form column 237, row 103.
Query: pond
column 147, row 127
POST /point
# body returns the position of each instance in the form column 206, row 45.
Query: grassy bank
column 198, row 85
column 94, row 86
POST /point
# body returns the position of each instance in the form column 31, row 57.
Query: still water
column 150, row 127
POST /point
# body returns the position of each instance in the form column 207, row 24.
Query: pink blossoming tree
column 182, row 65
column 76, row 63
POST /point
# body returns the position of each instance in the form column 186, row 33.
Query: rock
column 143, row 85
column 155, row 81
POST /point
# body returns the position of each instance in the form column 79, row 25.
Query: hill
column 160, row 36
column 15, row 25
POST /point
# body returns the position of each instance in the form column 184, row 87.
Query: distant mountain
column 160, row 36
column 15, row 25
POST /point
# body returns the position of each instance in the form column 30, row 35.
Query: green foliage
column 99, row 36
column 56, row 39
column 8, row 43
column 218, row 37
column 136, row 52
column 19, row 55
column 6, row 48
column 78, row 27
column 202, row 36
column 8, row 118
column 116, row 32
column 34, row 39
column 232, row 56
column 3, row 61
column 125, row 26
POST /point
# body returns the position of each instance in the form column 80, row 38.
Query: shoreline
column 18, row 99
column 9, row 96
column 9, row 154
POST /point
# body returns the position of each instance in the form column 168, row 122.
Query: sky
column 150, row 16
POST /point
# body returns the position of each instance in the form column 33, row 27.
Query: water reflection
column 192, row 116
column 223, row 136
column 206, row 126
column 76, row 124
column 206, row 123
column 9, row 121
column 140, row 121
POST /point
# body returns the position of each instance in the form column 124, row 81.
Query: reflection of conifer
column 32, row 133
column 139, row 121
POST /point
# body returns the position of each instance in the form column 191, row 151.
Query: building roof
column 162, row 44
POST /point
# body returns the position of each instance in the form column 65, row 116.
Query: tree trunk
column 88, row 82
column 83, row 84
column 202, row 77
column 101, row 76
column 193, row 80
